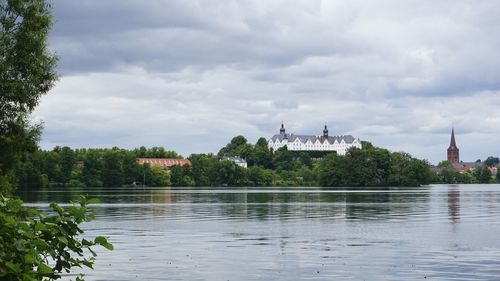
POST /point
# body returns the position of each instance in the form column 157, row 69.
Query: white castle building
column 340, row 144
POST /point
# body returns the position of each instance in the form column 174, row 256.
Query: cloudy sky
column 190, row 75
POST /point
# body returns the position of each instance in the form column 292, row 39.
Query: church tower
column 453, row 152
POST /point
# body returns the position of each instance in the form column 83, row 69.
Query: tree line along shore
column 115, row 167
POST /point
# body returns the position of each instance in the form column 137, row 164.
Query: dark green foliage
column 444, row 164
column 88, row 168
column 92, row 168
column 27, row 71
column 237, row 147
column 482, row 174
column 333, row 172
column 261, row 155
column 209, row 170
column 258, row 176
column 372, row 166
column 154, row 152
column 448, row 175
column 181, row 176
column 204, row 169
column 157, row 176
column 492, row 161
column 112, row 170
column 34, row 246
column 230, row 174
column 408, row 171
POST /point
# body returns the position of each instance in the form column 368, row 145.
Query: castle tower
column 453, row 152
column 282, row 129
column 325, row 132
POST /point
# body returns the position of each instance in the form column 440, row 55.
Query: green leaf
column 56, row 208
column 28, row 277
column 28, row 258
column 103, row 242
column 86, row 242
column 40, row 226
column 44, row 269
column 63, row 240
column 88, row 263
column 16, row 268
column 94, row 201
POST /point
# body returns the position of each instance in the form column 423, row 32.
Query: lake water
column 434, row 233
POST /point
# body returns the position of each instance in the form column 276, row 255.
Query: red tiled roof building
column 166, row 163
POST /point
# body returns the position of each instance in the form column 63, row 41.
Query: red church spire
column 452, row 141
column 453, row 152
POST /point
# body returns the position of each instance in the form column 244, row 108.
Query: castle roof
column 304, row 138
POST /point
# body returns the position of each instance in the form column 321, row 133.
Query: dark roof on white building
column 304, row 138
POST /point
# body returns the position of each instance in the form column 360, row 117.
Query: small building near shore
column 237, row 160
column 166, row 163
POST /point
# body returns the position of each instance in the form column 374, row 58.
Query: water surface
column 435, row 233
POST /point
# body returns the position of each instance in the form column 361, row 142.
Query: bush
column 38, row 247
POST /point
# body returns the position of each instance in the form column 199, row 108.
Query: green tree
column 132, row 171
column 262, row 155
column 482, row 174
column 29, row 170
column 67, row 162
column 234, row 148
column 305, row 177
column 203, row 169
column 112, row 170
column 408, row 171
column 258, row 176
column 444, row 164
column 158, row 176
column 155, row 152
column 27, row 71
column 52, row 167
column 492, row 161
column 332, row 171
column 181, row 176
column 449, row 176
column 372, row 166
column 231, row 174
column 368, row 166
column 284, row 159
column 92, row 169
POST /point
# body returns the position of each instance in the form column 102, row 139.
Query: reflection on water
column 440, row 232
column 454, row 204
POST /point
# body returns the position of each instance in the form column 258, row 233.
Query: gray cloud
column 189, row 75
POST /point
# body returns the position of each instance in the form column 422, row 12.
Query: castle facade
column 325, row 142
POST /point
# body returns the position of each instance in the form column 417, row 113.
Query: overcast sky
column 190, row 75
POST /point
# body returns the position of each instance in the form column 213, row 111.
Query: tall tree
column 492, row 161
column 482, row 174
column 237, row 146
column 27, row 71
